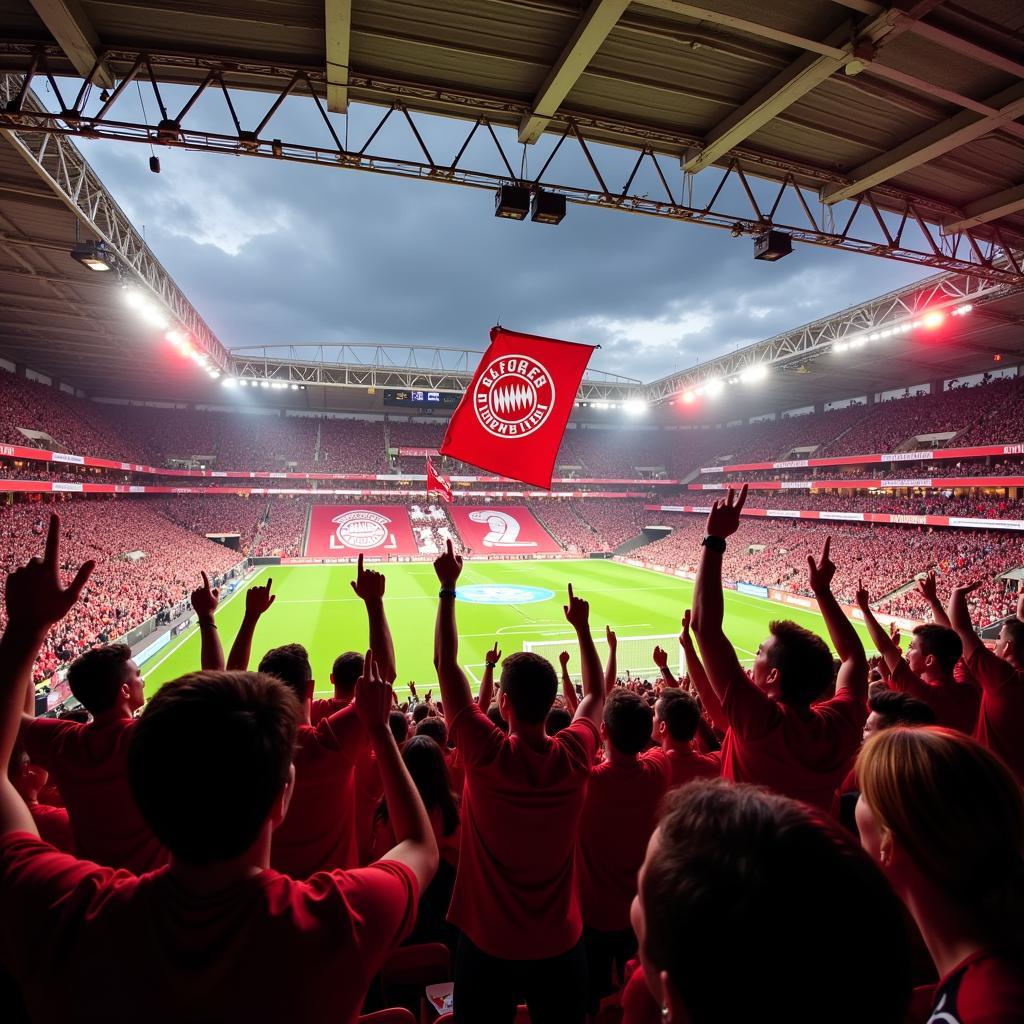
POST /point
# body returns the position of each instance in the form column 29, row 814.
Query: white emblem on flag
column 513, row 396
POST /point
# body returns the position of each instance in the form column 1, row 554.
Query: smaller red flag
column 437, row 484
column 515, row 410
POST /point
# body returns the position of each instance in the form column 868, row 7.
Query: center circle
column 491, row 593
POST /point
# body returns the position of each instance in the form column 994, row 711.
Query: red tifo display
column 501, row 530
column 346, row 531
column 513, row 415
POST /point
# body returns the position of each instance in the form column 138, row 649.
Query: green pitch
column 315, row 606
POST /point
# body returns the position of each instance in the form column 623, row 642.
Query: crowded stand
column 217, row 514
column 283, row 528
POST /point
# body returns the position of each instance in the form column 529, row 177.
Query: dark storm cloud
column 276, row 253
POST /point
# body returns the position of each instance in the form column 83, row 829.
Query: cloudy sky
column 281, row 253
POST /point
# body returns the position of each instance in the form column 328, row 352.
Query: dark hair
column 628, row 721
column 97, row 676
column 557, row 720
column 803, row 661
column 530, row 683
column 420, row 712
column 680, row 713
column 900, row 709
column 399, row 726
column 1015, row 628
column 290, row 664
column 943, row 643
column 435, row 728
column 429, row 770
column 494, row 714
column 347, row 668
column 208, row 758
column 732, row 862
column 75, row 715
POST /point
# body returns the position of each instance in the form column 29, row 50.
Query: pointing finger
column 52, row 541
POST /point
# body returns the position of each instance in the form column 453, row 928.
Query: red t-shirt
column 619, row 815
column 802, row 754
column 325, row 707
column 369, row 791
column 1001, row 719
column 986, row 988
column 638, row 1005
column 88, row 764
column 319, row 830
column 684, row 766
column 955, row 704
column 54, row 826
column 516, row 889
column 266, row 948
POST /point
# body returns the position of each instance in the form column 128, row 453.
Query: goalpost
column 633, row 654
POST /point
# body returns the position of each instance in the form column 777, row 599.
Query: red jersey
column 319, row 830
column 516, row 889
column 619, row 815
column 325, row 707
column 683, row 766
column 54, row 826
column 88, row 764
column 986, row 988
column 638, row 1005
column 369, row 791
column 955, row 704
column 802, row 753
column 1001, row 719
column 262, row 948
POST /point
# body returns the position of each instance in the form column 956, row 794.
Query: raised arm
column 369, row 585
column 491, row 658
column 577, row 614
column 415, row 845
column 455, row 692
column 35, row 600
column 205, row 600
column 724, row 670
column 572, row 702
column 853, row 672
column 611, row 673
column 699, row 678
column 257, row 601
column 928, row 589
column 884, row 643
column 960, row 618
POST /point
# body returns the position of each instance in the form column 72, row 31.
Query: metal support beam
column 952, row 133
column 981, row 211
column 338, row 18
column 70, row 27
column 590, row 33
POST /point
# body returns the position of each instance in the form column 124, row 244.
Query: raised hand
column 861, row 597
column 259, row 599
column 493, row 656
column 613, row 640
column 205, row 599
column 448, row 567
column 374, row 698
column 968, row 588
column 685, row 639
column 894, row 633
column 577, row 611
column 368, row 584
column 660, row 657
column 724, row 517
column 928, row 588
column 563, row 659
column 35, row 597
column 821, row 572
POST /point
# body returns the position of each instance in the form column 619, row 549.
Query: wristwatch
column 713, row 543
column 446, row 592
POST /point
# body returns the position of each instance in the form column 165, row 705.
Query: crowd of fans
column 810, row 839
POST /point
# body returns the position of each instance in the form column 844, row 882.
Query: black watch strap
column 714, row 543
column 446, row 592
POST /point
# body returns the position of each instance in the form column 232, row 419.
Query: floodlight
column 933, row 318
column 512, row 202
column 94, row 255
column 229, row 382
column 547, row 207
column 635, row 406
column 754, row 374
column 772, row 245
column 713, row 387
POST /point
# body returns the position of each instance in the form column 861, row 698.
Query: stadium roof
column 908, row 115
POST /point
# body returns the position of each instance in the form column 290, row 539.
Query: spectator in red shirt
column 53, row 824
column 619, row 815
column 215, row 931
column 676, row 717
column 516, row 897
column 927, row 672
column 344, row 673
column 753, row 907
column 1001, row 676
column 781, row 733
column 944, row 818
column 88, row 762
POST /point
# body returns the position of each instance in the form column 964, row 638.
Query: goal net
column 633, row 654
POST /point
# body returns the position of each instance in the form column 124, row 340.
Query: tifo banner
column 513, row 415
column 340, row 531
column 501, row 530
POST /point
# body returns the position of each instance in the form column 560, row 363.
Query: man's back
column 515, row 893
column 131, row 948
column 684, row 766
column 88, row 764
column 1001, row 718
column 955, row 704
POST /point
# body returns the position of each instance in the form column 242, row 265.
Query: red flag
column 437, row 484
column 513, row 415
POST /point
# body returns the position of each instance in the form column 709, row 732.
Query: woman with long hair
column 944, row 818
